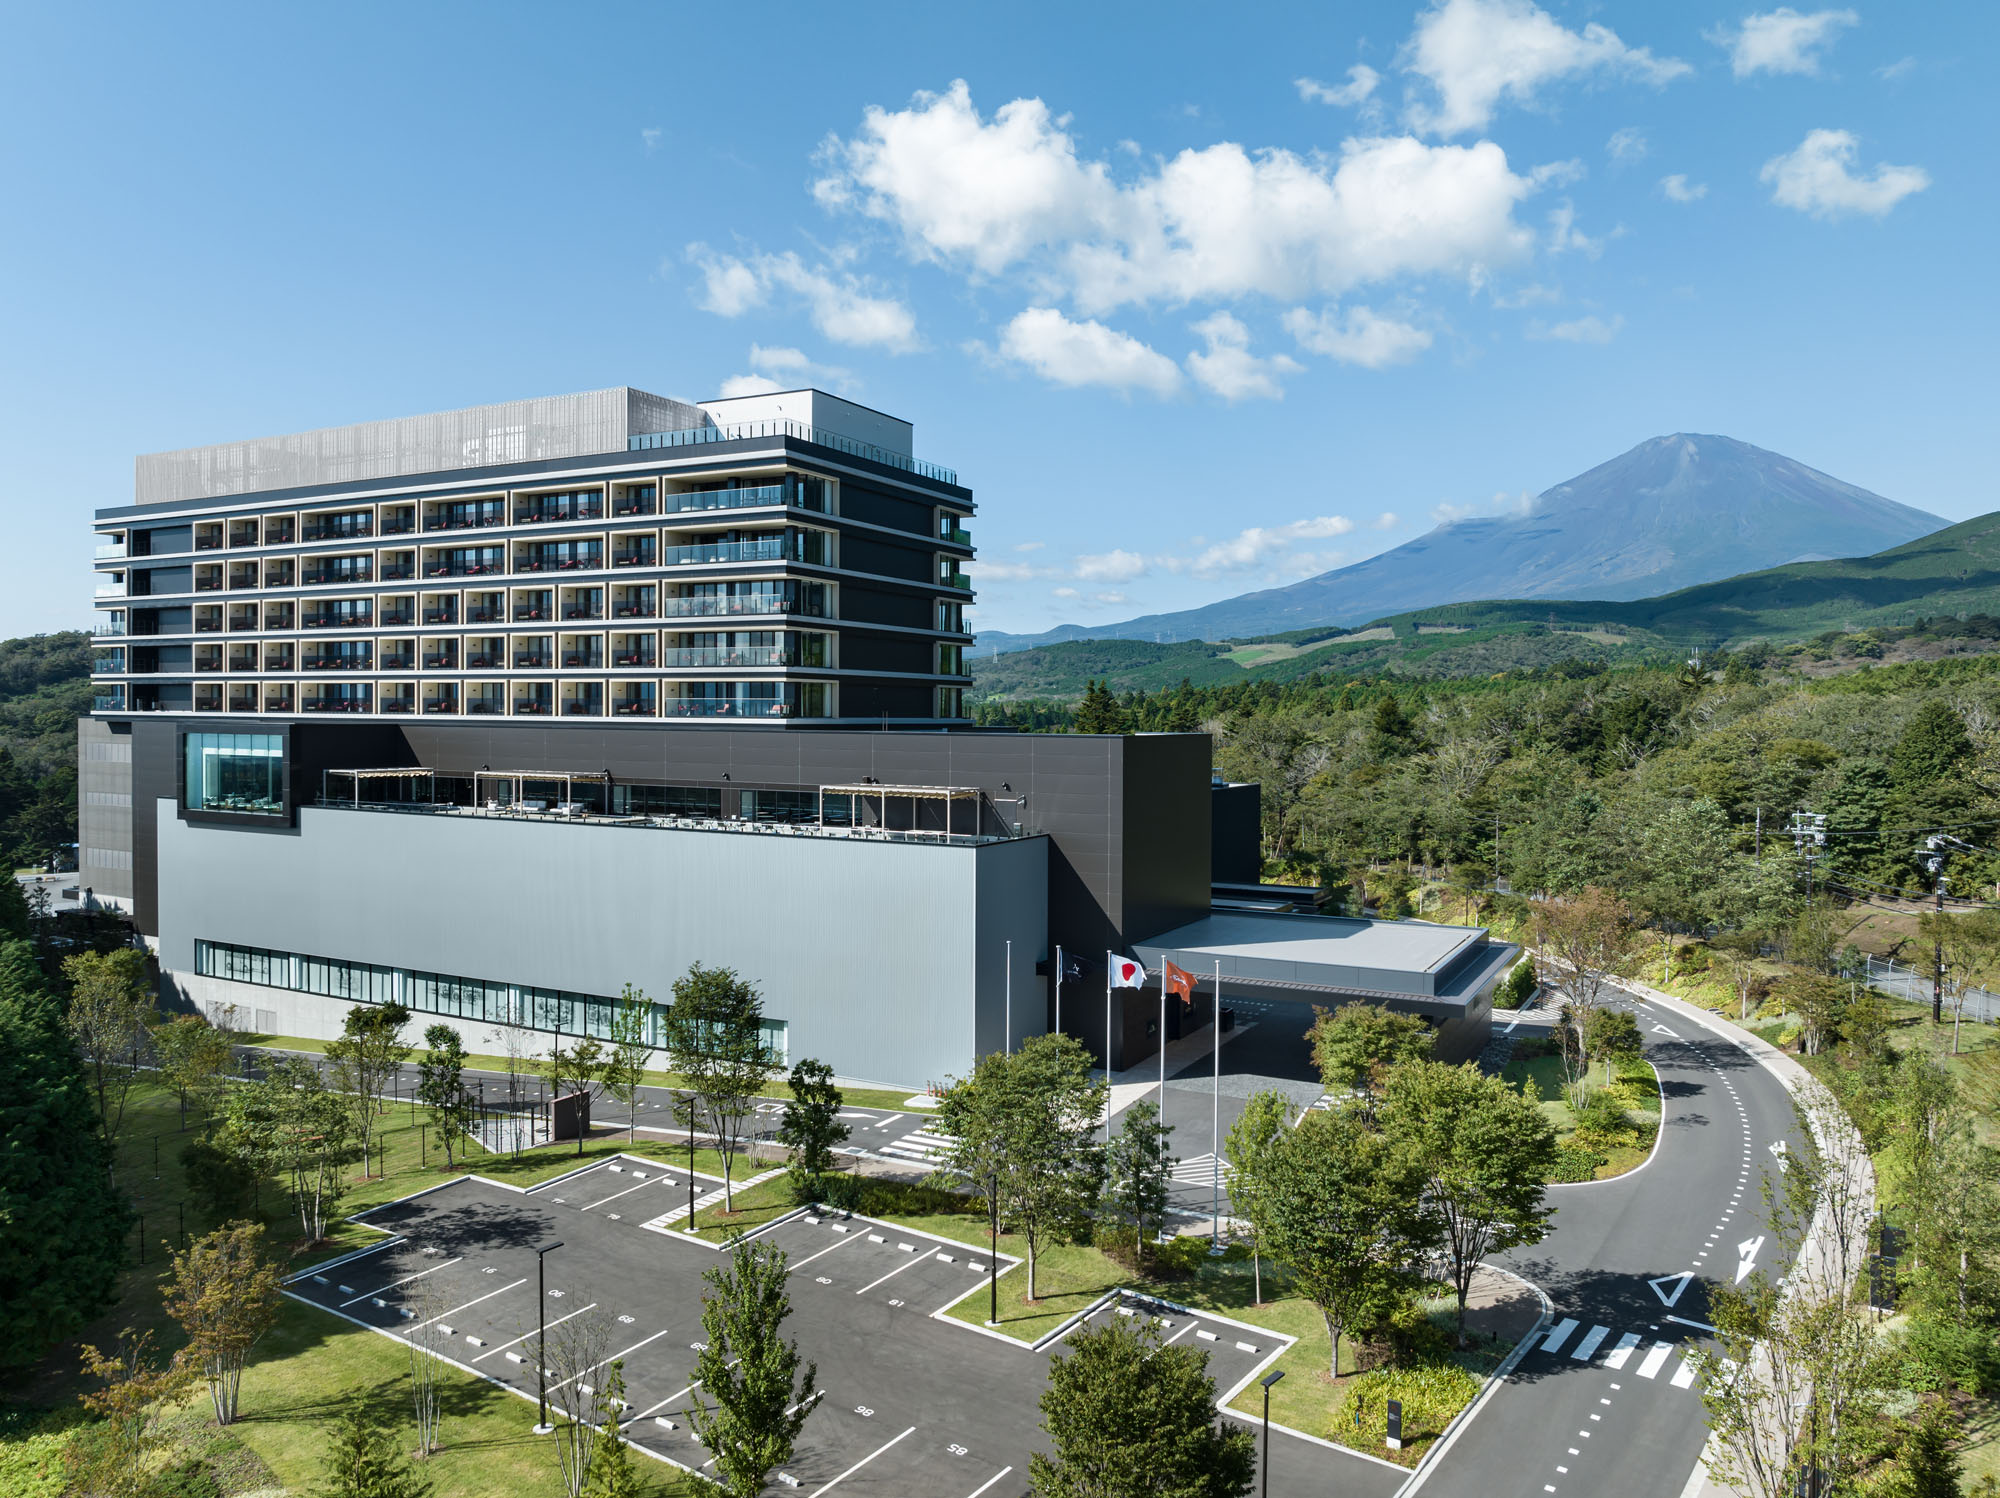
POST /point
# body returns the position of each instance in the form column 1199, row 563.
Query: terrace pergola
column 950, row 796
column 405, row 777
column 513, row 780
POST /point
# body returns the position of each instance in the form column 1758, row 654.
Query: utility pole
column 1808, row 831
column 1936, row 849
column 1760, row 834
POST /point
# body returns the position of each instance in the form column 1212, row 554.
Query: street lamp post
column 1267, row 1380
column 542, row 1340
column 993, row 1258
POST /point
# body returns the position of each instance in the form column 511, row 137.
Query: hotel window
column 239, row 772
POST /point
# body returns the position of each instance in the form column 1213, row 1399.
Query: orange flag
column 1177, row 980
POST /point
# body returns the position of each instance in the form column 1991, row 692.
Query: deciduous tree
column 1263, row 1122
column 1356, row 1044
column 761, row 1388
column 224, row 1290
column 1584, row 941
column 715, row 1034
column 631, row 1045
column 811, row 1127
column 1130, row 1418
column 573, row 1349
column 193, row 1056
column 366, row 1059
column 1483, row 1152
column 363, row 1459
column 106, row 1018
column 611, row 1473
column 290, row 1123
column 1139, row 1172
column 136, row 1389
column 441, row 1086
column 1029, row 1121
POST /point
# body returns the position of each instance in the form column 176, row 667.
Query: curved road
column 1606, row 1401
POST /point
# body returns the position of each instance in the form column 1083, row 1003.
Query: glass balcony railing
column 110, row 551
column 765, row 549
column 726, row 499
column 108, row 702
column 695, row 436
column 732, row 605
column 347, row 529
column 730, row 655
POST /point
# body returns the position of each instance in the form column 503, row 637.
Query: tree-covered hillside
column 44, row 689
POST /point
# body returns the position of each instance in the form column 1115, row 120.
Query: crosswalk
column 1199, row 1170
column 1651, row 1362
column 924, row 1146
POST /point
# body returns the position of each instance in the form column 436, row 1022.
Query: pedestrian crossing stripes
column 923, row 1145
column 1651, row 1361
column 1199, row 1171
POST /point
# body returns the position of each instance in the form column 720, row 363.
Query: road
column 1606, row 1402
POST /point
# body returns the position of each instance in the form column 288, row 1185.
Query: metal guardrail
column 820, row 436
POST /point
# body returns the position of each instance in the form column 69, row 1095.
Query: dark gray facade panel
column 1237, row 855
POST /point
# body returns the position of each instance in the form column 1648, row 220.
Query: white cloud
column 1818, row 179
column 1065, row 592
column 1475, row 53
column 1897, row 71
column 1108, row 598
column 1229, row 368
column 1534, row 294
column 1591, row 329
column 1677, row 189
column 796, row 368
column 1357, row 336
column 1117, row 566
column 1627, row 145
column 988, row 570
column 1360, row 86
column 1388, row 520
column 651, row 138
column 1026, row 546
column 748, row 384
column 1503, row 503
column 1215, row 223
column 1564, row 234
column 841, row 306
column 1255, row 546
column 1086, row 353
column 1782, row 40
column 1558, row 173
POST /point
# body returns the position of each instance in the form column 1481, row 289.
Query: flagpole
column 1059, row 968
column 1215, row 1119
column 1163, row 1041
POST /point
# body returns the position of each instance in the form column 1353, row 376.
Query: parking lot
column 916, row 1404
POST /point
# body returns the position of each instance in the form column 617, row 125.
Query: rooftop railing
column 674, row 824
column 820, row 436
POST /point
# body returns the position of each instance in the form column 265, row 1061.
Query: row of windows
column 554, row 1010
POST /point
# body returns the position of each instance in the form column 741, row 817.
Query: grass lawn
column 892, row 1098
column 1636, row 1086
column 756, row 1206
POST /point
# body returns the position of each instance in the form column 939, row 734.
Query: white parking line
column 898, row 1270
column 404, row 1280
column 823, row 1253
column 677, row 1395
column 471, row 1303
column 988, row 1483
column 525, row 1335
column 615, row 1357
column 626, row 1192
column 864, row 1462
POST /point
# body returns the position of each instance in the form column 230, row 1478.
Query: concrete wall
column 885, row 959
column 104, row 809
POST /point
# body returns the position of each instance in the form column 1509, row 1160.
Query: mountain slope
column 1673, row 512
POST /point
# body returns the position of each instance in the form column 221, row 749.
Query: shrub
column 189, row 1479
column 1940, row 1355
column 1517, row 987
column 1601, row 1120
column 1576, row 1163
column 1432, row 1395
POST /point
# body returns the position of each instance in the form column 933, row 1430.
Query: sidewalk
column 1132, row 1084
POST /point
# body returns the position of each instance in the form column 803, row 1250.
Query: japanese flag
column 1125, row 973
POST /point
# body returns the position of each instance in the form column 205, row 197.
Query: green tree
column 221, row 1185
column 715, row 1033
column 1130, row 1418
column 1932, row 747
column 224, row 1290
column 1482, row 1151
column 576, row 1070
column 1027, row 1121
column 288, row 1122
column 1613, row 1037
column 441, row 1087
column 811, row 1127
column 1927, row 1464
column 761, row 1398
column 65, row 1223
column 631, row 1046
column 106, row 1018
column 1355, row 1046
column 1099, row 711
column 1265, row 1118
column 193, row 1056
column 611, row 1473
column 1342, row 1211
column 365, row 1059
column 136, row 1389
column 1139, row 1173
column 363, row 1460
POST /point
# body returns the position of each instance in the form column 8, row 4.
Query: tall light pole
column 542, row 1339
column 993, row 1258
column 1007, row 1024
column 1215, row 1119
column 1267, row 1380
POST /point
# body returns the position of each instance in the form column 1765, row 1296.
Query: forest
column 44, row 689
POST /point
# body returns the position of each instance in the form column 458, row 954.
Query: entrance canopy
column 1410, row 959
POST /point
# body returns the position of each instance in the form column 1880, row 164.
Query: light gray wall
column 871, row 952
column 104, row 809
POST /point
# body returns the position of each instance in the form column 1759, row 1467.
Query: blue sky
column 1193, row 307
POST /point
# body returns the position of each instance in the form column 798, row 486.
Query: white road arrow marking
column 1678, row 1281
column 1784, row 1156
column 1663, row 1030
column 1746, row 1252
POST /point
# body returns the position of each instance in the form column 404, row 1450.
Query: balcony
column 956, row 580
column 394, row 618
column 445, row 662
column 277, row 702
column 321, row 576
column 446, row 702
column 639, row 658
column 529, row 611
column 398, row 572
column 111, row 551
column 956, row 536
column 336, row 621
column 108, row 665
column 557, row 508
column 634, row 611
column 114, row 588
column 529, row 707
column 728, row 606
column 399, row 525
column 467, row 517
column 243, row 579
column 582, row 660
column 484, row 616
column 487, row 705
column 243, row 704
column 243, row 623
column 483, row 662
column 482, row 566
column 531, row 662
column 109, row 702
column 348, row 529
column 635, row 503
column 633, row 707
column 211, row 541
column 728, row 707
column 208, row 584
column 204, row 664
column 335, row 663
column 207, row 626
column 440, row 616
column 398, row 662
column 701, row 659
column 399, row 704
column 584, row 611
column 765, row 549
column 762, row 497
column 633, row 556
column 336, row 705
column 278, row 533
